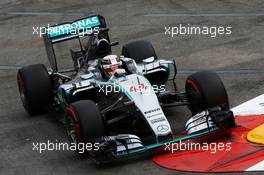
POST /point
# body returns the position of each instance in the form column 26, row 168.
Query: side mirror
column 114, row 43
column 165, row 62
column 148, row 60
column 87, row 76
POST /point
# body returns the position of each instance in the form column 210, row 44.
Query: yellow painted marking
column 256, row 135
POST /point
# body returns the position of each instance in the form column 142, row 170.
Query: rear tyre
column 34, row 88
column 139, row 50
column 84, row 123
column 205, row 90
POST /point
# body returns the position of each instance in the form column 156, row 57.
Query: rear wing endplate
column 69, row 30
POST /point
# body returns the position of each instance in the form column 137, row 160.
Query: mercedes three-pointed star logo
column 163, row 128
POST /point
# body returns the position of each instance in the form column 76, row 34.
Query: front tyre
column 205, row 90
column 35, row 88
column 84, row 123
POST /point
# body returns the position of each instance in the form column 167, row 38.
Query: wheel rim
column 21, row 89
column 192, row 85
column 71, row 129
column 196, row 105
column 191, row 89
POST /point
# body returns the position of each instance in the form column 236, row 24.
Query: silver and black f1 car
column 118, row 101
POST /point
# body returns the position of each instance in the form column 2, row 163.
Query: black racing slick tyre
column 35, row 88
column 84, row 123
column 139, row 50
column 205, row 90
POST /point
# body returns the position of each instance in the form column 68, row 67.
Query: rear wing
column 69, row 30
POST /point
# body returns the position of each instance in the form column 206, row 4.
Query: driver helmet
column 110, row 64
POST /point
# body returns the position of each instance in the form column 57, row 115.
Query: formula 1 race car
column 117, row 101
